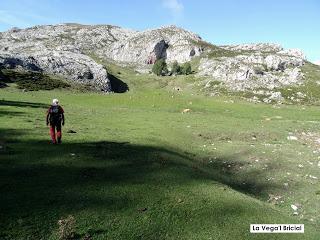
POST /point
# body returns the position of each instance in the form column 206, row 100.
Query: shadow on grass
column 20, row 104
column 117, row 85
column 11, row 113
column 23, row 104
column 44, row 182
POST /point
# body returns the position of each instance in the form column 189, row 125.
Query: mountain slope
column 67, row 49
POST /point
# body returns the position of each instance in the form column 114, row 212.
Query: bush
column 1, row 74
column 33, row 81
column 186, row 68
column 160, row 67
column 176, row 69
column 2, row 78
column 258, row 70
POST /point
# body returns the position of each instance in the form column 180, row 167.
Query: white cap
column 55, row 101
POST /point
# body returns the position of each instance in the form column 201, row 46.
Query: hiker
column 55, row 117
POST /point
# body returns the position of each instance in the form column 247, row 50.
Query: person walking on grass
column 55, row 117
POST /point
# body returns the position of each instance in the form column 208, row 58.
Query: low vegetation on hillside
column 32, row 81
column 160, row 68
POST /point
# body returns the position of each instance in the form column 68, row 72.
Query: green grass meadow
column 139, row 168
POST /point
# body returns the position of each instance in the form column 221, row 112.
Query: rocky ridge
column 66, row 49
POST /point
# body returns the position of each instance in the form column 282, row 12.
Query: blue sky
column 292, row 23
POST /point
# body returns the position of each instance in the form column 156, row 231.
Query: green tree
column 176, row 69
column 186, row 68
column 160, row 67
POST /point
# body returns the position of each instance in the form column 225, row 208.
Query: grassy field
column 138, row 168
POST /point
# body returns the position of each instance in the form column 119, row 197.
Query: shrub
column 186, row 68
column 33, row 81
column 258, row 70
column 160, row 67
column 176, row 69
column 2, row 80
column 1, row 74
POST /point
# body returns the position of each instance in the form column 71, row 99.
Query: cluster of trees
column 160, row 68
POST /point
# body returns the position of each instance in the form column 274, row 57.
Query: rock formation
column 70, row 50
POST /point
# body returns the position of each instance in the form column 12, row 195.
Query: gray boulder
column 74, row 66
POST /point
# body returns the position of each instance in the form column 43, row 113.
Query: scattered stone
column 313, row 177
column 142, row 209
column 71, row 131
column 294, row 207
column 292, row 138
column 275, row 199
column 87, row 236
column 186, row 110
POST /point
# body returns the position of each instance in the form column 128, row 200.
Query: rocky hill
column 68, row 50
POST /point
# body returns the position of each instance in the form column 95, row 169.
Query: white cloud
column 317, row 62
column 175, row 7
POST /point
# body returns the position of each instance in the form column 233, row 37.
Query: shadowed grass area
column 137, row 168
column 22, row 104
column 105, row 184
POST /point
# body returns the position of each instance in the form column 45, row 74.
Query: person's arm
column 48, row 115
column 62, row 119
column 62, row 115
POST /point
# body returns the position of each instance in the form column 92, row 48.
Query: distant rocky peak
column 262, row 47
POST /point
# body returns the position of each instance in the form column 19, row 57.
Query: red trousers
column 53, row 128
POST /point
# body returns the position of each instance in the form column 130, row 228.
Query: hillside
column 76, row 52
